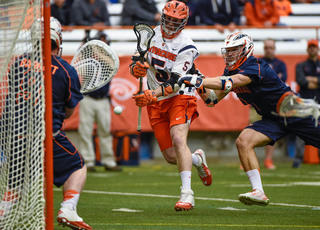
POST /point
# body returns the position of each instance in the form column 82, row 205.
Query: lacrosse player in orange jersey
column 171, row 56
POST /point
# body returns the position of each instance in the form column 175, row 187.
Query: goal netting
column 22, row 116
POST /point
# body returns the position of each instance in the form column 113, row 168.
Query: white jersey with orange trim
column 168, row 56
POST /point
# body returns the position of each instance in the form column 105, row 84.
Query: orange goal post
column 26, row 159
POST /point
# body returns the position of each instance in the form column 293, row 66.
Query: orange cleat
column 255, row 197
column 186, row 201
column 268, row 164
column 203, row 170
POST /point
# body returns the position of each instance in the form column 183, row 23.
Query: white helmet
column 55, row 31
column 237, row 48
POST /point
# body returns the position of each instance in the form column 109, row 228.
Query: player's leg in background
column 299, row 152
column 87, row 108
column 268, row 160
column 103, row 120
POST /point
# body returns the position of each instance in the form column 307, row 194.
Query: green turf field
column 144, row 197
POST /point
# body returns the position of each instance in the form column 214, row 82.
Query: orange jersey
column 257, row 13
column 284, row 7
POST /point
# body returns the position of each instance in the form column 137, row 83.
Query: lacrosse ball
column 117, row 110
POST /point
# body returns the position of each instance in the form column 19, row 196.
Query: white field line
column 315, row 176
column 197, row 198
column 282, row 185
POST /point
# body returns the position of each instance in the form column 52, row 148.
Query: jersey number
column 161, row 75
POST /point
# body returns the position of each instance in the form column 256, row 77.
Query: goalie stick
column 96, row 64
column 144, row 34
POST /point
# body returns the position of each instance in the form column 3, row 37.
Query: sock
column 70, row 199
column 195, row 160
column 255, row 179
column 186, row 179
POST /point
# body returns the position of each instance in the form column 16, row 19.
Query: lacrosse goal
column 22, row 111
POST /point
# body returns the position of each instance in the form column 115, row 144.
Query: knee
column 241, row 143
column 178, row 141
column 170, row 156
column 171, row 160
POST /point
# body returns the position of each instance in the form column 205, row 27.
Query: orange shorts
column 169, row 112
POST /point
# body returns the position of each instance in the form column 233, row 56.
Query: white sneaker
column 203, row 170
column 71, row 219
column 256, row 197
column 186, row 201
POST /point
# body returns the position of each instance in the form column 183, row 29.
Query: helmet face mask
column 173, row 19
column 56, row 32
column 237, row 48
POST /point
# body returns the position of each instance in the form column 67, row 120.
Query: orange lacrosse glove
column 145, row 98
column 137, row 69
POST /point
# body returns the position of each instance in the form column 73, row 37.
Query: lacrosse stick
column 181, row 90
column 144, row 35
column 96, row 64
column 294, row 106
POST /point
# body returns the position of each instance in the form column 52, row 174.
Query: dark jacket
column 225, row 13
column 62, row 14
column 308, row 68
column 85, row 14
column 135, row 11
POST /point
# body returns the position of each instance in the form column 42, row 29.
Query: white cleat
column 255, row 197
column 203, row 170
column 71, row 219
column 186, row 201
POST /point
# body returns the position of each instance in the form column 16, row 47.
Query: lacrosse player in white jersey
column 170, row 57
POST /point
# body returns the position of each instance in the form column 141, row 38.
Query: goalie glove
column 171, row 85
column 145, row 98
column 137, row 69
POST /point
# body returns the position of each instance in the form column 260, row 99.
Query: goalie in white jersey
column 170, row 57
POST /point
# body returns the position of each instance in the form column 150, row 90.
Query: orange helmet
column 174, row 18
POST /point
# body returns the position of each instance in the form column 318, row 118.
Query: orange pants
column 164, row 114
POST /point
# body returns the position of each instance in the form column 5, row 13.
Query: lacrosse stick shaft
column 144, row 34
column 140, row 109
column 181, row 90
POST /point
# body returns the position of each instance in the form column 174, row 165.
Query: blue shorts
column 276, row 128
column 66, row 159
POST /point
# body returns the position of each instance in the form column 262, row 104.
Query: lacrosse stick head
column 96, row 64
column 144, row 34
column 290, row 105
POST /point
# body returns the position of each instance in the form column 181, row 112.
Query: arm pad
column 226, row 84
